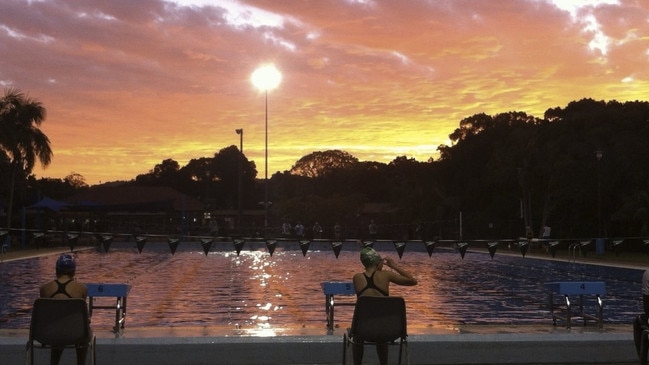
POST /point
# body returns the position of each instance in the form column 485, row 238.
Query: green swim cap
column 369, row 257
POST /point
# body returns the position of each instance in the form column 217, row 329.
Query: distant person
column 373, row 230
column 375, row 281
column 286, row 229
column 529, row 234
column 545, row 235
column 317, row 230
column 299, row 230
column 338, row 230
column 63, row 287
column 214, row 228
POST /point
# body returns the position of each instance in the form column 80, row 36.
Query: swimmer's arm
column 400, row 276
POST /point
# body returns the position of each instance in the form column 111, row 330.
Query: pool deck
column 613, row 344
column 471, row 344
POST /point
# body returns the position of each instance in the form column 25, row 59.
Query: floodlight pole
column 266, row 170
column 240, row 187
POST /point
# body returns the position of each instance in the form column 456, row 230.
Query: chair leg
column 644, row 347
column 92, row 349
column 29, row 354
column 407, row 353
column 345, row 348
column 400, row 351
column 638, row 334
column 399, row 360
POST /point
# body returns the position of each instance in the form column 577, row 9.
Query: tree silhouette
column 320, row 163
column 21, row 141
column 502, row 173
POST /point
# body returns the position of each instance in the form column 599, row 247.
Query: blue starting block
column 117, row 291
column 331, row 288
column 565, row 310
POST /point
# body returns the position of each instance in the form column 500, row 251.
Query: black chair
column 641, row 337
column 60, row 323
column 378, row 320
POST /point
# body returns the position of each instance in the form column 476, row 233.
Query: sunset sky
column 127, row 84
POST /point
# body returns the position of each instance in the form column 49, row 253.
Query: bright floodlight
column 266, row 77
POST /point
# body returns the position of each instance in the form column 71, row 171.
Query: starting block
column 567, row 310
column 117, row 291
column 331, row 288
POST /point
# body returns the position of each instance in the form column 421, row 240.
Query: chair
column 378, row 320
column 641, row 337
column 60, row 323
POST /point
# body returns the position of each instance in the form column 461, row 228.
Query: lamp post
column 598, row 155
column 240, row 186
column 265, row 78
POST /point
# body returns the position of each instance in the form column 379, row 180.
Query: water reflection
column 262, row 295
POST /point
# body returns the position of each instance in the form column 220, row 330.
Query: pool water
column 256, row 291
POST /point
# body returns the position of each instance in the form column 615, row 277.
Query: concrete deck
column 470, row 345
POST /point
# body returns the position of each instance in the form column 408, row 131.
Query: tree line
column 581, row 169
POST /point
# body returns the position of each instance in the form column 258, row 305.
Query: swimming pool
column 260, row 293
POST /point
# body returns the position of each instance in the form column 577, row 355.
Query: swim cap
column 65, row 264
column 369, row 257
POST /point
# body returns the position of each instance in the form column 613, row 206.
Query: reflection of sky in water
column 262, row 294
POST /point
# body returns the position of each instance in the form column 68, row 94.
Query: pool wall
column 551, row 348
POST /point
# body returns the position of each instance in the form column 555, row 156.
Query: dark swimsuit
column 61, row 289
column 370, row 285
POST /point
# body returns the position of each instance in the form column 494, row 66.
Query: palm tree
column 21, row 141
